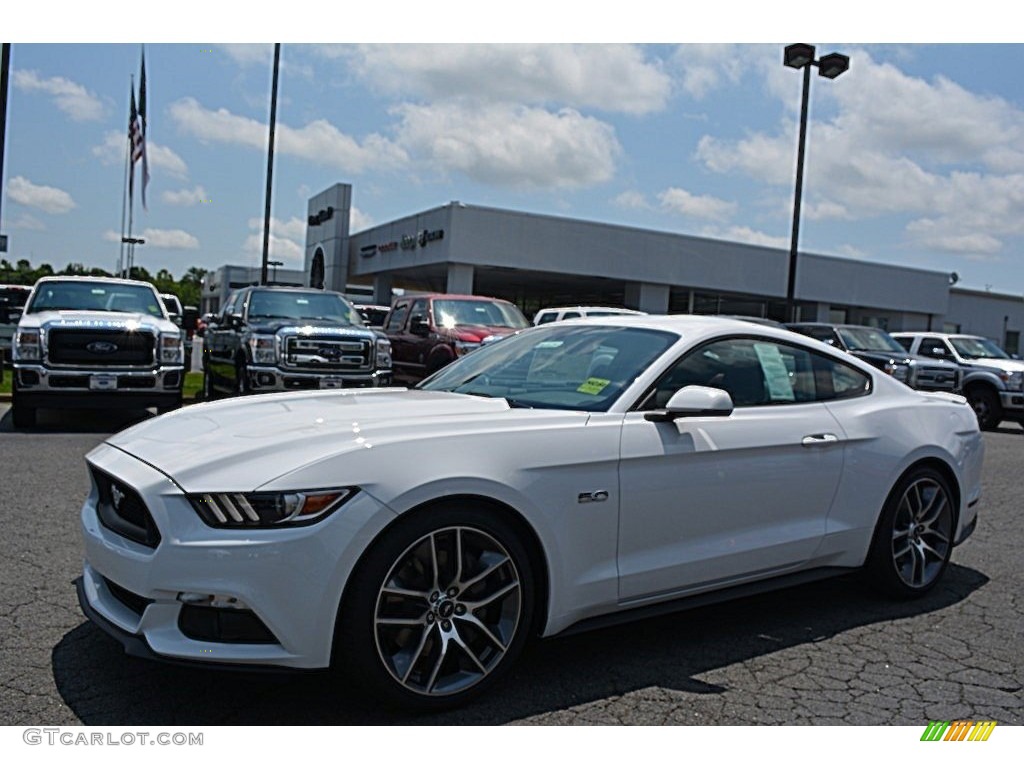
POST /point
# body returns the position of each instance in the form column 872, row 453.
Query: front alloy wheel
column 914, row 539
column 449, row 609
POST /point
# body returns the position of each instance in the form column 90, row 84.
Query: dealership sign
column 321, row 216
column 406, row 242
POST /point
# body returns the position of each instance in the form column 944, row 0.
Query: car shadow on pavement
column 78, row 421
column 103, row 686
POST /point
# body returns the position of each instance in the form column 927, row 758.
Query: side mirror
column 694, row 401
column 233, row 321
column 418, row 325
column 14, row 316
column 175, row 318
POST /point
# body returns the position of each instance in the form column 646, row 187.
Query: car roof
column 580, row 308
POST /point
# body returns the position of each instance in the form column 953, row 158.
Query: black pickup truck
column 274, row 339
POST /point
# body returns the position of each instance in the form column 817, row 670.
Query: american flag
column 135, row 133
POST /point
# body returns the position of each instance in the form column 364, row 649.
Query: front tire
column 986, row 407
column 439, row 608
column 914, row 537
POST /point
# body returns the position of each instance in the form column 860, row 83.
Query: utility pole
column 270, row 165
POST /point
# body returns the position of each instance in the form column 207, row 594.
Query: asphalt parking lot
column 828, row 653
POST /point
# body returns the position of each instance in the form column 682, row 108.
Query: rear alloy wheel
column 986, row 407
column 914, row 538
column 439, row 610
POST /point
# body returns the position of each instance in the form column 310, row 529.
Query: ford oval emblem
column 101, row 347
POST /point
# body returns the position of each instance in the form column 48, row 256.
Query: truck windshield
column 95, row 296
column 972, row 349
column 449, row 313
column 869, row 340
column 300, row 305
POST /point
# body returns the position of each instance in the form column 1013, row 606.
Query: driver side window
column 759, row 372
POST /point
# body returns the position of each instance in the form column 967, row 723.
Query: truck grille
column 122, row 510
column 938, row 379
column 328, row 354
column 99, row 347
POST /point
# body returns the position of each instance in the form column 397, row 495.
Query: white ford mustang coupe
column 575, row 474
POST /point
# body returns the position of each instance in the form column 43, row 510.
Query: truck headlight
column 171, row 349
column 263, row 349
column 268, row 510
column 465, row 347
column 1014, row 380
column 28, row 345
column 383, row 353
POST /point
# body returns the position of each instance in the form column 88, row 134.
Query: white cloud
column 166, row 239
column 26, row 221
column 698, row 206
column 48, row 199
column 358, row 221
column 704, row 67
column 508, row 145
column 69, row 97
column 318, row 141
column 293, row 229
column 161, row 159
column 744, row 234
column 184, row 197
column 248, row 53
column 280, row 249
column 616, row 78
column 892, row 144
column 631, row 199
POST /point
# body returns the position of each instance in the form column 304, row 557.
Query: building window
column 1013, row 342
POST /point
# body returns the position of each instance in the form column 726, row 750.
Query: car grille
column 122, row 511
column 99, row 347
column 335, row 355
column 940, row 379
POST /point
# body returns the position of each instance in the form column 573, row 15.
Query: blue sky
column 915, row 156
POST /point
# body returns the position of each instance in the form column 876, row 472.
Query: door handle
column 819, row 439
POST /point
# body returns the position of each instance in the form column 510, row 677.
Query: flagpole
column 124, row 206
column 270, row 166
column 131, row 190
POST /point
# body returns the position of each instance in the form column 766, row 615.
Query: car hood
column 244, row 443
column 76, row 318
column 478, row 333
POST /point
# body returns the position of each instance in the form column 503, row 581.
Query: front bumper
column 1012, row 401
column 43, row 387
column 273, row 379
column 291, row 579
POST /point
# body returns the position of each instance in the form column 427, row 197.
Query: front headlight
column 263, row 349
column 1014, row 380
column 465, row 347
column 171, row 349
column 383, row 353
column 27, row 345
column 268, row 510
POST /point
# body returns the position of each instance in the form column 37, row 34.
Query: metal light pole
column 801, row 56
column 270, row 165
column 5, row 68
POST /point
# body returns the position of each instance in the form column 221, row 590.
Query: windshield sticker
column 593, row 386
column 776, row 375
column 548, row 345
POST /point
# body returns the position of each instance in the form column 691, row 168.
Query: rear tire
column 439, row 608
column 914, row 537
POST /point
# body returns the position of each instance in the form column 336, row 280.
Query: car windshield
column 582, row 367
column 869, row 340
column 449, row 313
column 299, row 305
column 98, row 296
column 972, row 349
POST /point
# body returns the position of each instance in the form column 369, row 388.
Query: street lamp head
column 833, row 65
column 798, row 55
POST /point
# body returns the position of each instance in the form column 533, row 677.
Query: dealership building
column 538, row 260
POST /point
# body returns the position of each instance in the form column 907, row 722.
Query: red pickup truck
column 428, row 331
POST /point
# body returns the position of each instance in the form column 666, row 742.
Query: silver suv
column 993, row 381
column 88, row 342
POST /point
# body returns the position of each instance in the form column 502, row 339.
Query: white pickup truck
column 89, row 342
